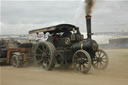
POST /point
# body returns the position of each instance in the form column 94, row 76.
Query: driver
column 66, row 34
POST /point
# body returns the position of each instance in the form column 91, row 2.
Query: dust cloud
column 115, row 74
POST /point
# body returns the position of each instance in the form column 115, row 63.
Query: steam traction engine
column 66, row 45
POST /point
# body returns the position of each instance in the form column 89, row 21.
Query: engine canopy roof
column 55, row 29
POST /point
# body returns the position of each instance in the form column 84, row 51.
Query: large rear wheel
column 45, row 55
column 82, row 61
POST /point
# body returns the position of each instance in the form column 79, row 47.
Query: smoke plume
column 89, row 6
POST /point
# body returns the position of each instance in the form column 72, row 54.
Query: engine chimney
column 88, row 23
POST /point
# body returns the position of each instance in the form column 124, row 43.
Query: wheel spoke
column 43, row 47
column 99, row 53
column 105, row 58
column 104, row 61
column 96, row 55
column 94, row 62
column 78, row 55
column 82, row 55
column 39, row 61
column 103, row 55
column 38, row 55
column 98, row 64
column 76, row 61
column 85, row 68
column 39, row 50
column 47, row 52
column 101, row 64
column 85, row 61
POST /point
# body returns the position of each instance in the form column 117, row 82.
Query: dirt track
column 115, row 74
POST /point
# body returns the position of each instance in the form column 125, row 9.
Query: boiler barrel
column 86, row 45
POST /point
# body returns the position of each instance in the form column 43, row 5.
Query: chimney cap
column 88, row 16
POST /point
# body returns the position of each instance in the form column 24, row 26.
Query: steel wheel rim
column 14, row 61
column 101, row 60
column 81, row 62
column 44, row 53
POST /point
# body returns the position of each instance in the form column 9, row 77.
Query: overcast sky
column 20, row 16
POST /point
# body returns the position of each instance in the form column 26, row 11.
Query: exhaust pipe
column 88, row 23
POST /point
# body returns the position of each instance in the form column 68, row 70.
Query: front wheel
column 100, row 61
column 15, row 61
column 82, row 61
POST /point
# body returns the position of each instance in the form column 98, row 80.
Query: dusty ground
column 115, row 74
